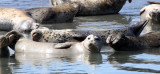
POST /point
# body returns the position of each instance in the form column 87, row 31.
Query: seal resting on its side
column 120, row 42
column 15, row 19
column 151, row 12
column 57, row 14
column 92, row 44
column 94, row 7
column 4, row 42
column 68, row 35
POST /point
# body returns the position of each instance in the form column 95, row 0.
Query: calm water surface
column 106, row 62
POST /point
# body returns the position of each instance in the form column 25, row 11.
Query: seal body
column 94, row 7
column 15, row 19
column 121, row 42
column 69, row 35
column 151, row 12
column 57, row 14
column 91, row 44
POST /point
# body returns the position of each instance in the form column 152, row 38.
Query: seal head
column 93, row 43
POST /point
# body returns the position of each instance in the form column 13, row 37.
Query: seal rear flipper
column 138, row 27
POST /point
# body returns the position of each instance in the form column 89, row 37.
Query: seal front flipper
column 63, row 45
column 114, row 38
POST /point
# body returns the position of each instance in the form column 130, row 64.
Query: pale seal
column 92, row 44
column 94, row 7
column 151, row 12
column 120, row 42
column 5, row 40
column 58, row 14
column 15, row 19
column 69, row 35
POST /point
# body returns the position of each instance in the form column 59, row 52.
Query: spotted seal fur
column 92, row 44
column 94, row 7
column 69, row 35
column 120, row 42
column 16, row 19
column 57, row 14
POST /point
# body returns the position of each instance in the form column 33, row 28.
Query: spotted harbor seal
column 91, row 44
column 151, row 12
column 5, row 40
column 57, row 14
column 15, row 19
column 68, row 35
column 120, row 42
column 94, row 7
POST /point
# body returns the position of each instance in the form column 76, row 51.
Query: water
column 106, row 62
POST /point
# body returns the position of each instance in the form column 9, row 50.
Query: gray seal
column 16, row 19
column 58, row 14
column 94, row 7
column 120, row 42
column 70, row 35
column 92, row 44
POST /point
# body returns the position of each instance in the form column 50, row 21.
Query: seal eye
column 88, row 38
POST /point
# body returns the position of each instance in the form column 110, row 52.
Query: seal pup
column 151, row 12
column 57, row 14
column 5, row 40
column 120, row 42
column 69, row 35
column 92, row 44
column 94, row 7
column 16, row 19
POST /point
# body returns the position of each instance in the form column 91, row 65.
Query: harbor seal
column 94, row 7
column 120, row 42
column 92, row 44
column 69, row 35
column 16, row 19
column 5, row 40
column 58, row 14
column 151, row 12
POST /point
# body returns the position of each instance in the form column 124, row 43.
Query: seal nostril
column 97, row 39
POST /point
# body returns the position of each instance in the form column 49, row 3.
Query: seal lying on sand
column 4, row 42
column 151, row 12
column 94, row 7
column 15, row 19
column 91, row 44
column 120, row 42
column 68, row 35
column 57, row 14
